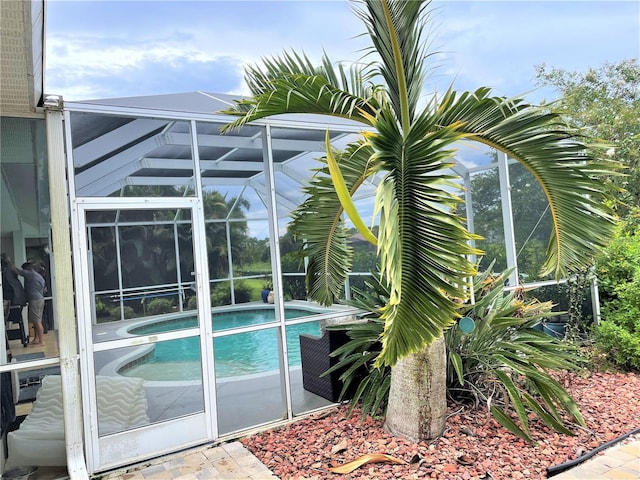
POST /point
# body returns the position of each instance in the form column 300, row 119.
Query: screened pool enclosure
column 185, row 277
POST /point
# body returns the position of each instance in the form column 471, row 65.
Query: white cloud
column 188, row 44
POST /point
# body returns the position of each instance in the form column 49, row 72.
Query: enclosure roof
column 130, row 141
column 203, row 103
column 120, row 142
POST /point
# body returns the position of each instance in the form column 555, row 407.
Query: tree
column 422, row 245
column 531, row 219
column 606, row 102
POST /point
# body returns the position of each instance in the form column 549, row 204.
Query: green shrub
column 192, row 303
column 505, row 363
column 618, row 270
column 622, row 346
column 243, row 291
column 102, row 310
column 129, row 312
column 221, row 293
column 158, row 306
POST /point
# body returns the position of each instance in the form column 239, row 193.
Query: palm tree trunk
column 418, row 394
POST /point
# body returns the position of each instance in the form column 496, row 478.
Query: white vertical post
column 468, row 203
column 276, row 267
column 595, row 297
column 64, row 305
column 203, row 291
column 507, row 218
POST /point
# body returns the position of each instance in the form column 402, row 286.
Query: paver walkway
column 621, row 461
column 228, row 461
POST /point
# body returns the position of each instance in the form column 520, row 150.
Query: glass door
column 142, row 299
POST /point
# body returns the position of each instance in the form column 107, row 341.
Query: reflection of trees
column 531, row 219
column 105, row 266
column 148, row 255
column 147, row 251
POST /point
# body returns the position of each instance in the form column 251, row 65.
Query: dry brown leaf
column 364, row 460
column 467, row 431
column 339, row 447
column 465, row 460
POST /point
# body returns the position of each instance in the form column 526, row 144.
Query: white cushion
column 39, row 441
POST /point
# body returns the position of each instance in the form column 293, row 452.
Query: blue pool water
column 238, row 354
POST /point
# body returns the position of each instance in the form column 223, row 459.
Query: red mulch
column 609, row 403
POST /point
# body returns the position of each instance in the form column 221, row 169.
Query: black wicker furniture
column 314, row 352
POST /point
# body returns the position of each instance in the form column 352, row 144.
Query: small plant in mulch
column 473, row 446
column 504, row 365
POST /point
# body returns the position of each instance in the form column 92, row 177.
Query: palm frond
column 291, row 84
column 423, row 247
column 399, row 37
column 554, row 153
column 319, row 222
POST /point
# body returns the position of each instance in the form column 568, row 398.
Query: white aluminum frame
column 106, row 452
column 103, row 453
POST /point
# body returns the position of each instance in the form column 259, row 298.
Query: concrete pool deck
column 241, row 403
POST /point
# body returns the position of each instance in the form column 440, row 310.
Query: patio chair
column 39, row 441
column 314, row 353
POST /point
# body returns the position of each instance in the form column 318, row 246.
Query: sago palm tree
column 423, row 247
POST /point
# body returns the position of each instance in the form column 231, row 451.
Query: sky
column 108, row 49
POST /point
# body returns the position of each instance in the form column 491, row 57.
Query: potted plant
column 555, row 326
column 574, row 320
column 267, row 289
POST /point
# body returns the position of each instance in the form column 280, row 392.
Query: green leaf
column 343, row 194
column 504, row 420
column 456, row 361
column 514, row 395
column 548, row 420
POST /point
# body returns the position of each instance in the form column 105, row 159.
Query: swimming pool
column 238, row 354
